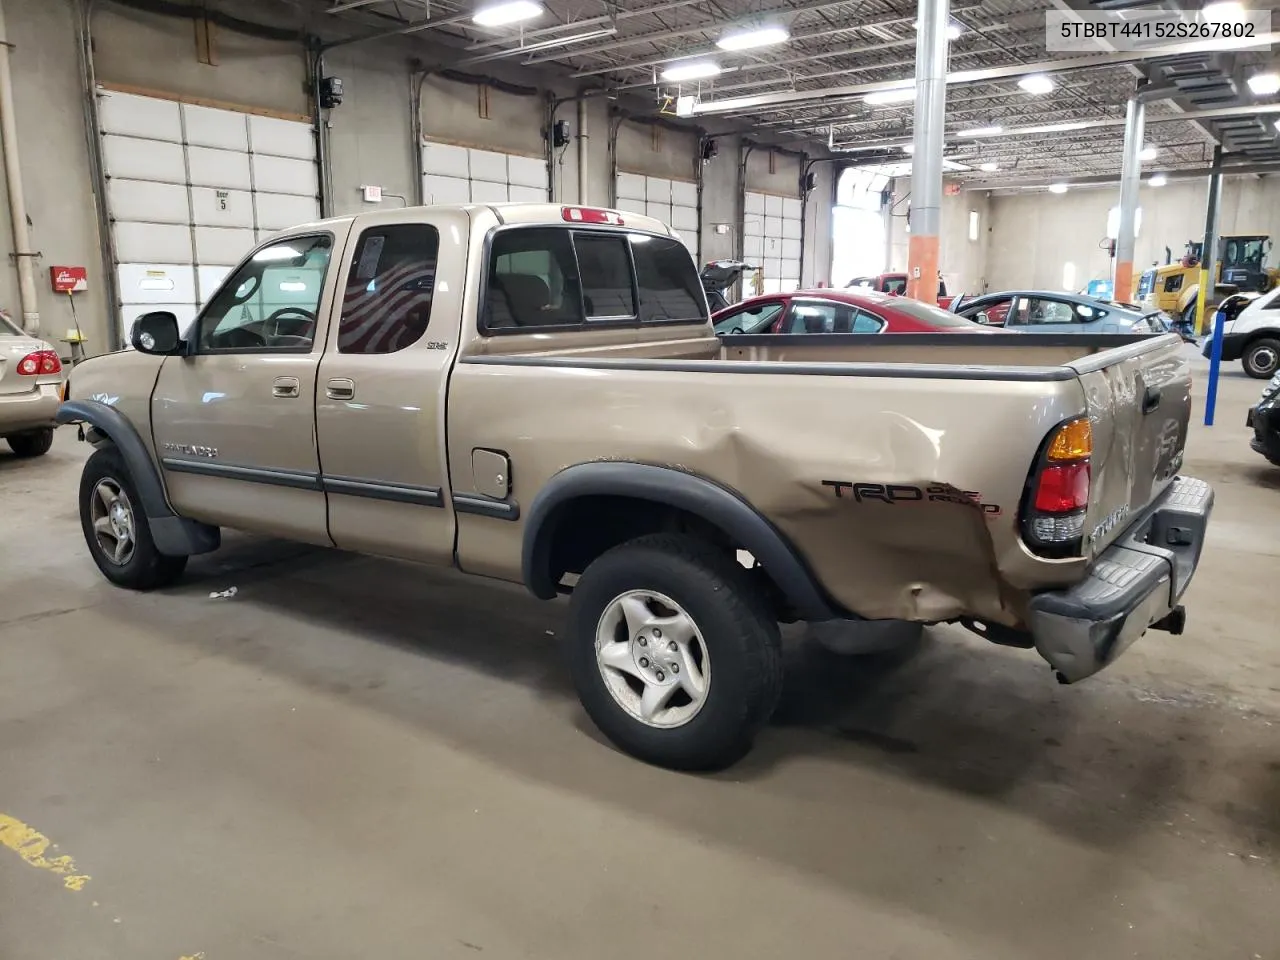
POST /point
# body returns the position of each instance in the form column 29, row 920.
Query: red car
column 838, row 311
column 896, row 284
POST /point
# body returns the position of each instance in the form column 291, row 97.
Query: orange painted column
column 1124, row 281
column 922, row 272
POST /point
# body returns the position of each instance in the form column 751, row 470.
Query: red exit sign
column 69, row 279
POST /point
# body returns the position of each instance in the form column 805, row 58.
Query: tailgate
column 1139, row 399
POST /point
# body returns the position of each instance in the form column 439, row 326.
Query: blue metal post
column 1215, row 360
column 1209, row 279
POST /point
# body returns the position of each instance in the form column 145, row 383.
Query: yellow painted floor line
column 32, row 845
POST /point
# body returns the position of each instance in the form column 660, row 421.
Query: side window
column 816, row 317
column 271, row 302
column 605, row 267
column 667, row 280
column 897, row 286
column 753, row 319
column 998, row 312
column 864, row 322
column 387, row 302
column 533, row 280
column 1036, row 311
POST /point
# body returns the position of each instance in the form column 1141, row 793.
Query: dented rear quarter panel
column 786, row 443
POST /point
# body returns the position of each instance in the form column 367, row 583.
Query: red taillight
column 1058, row 494
column 42, row 363
column 591, row 215
column 1061, row 489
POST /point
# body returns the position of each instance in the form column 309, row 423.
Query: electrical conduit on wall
column 22, row 253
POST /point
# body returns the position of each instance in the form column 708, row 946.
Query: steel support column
column 1130, row 181
column 1209, row 252
column 926, row 162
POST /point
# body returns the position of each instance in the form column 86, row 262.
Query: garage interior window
column 387, row 302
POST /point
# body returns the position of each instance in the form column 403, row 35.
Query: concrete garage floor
column 355, row 758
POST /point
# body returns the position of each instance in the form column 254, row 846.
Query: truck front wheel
column 673, row 655
column 1261, row 358
column 116, row 528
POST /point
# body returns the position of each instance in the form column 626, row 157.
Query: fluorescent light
column 750, row 39
column 692, row 70
column 685, row 105
column 508, row 12
column 1057, row 188
column 909, row 148
column 1265, row 84
column 1148, row 153
column 989, row 167
column 1228, row 10
column 954, row 29
column 1159, row 180
column 883, row 97
column 1037, row 84
column 981, row 131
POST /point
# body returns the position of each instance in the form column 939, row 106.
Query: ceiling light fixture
column 693, row 70
column 507, row 13
column 1265, row 84
column 1224, row 10
column 753, row 38
column 882, row 97
column 1037, row 84
column 990, row 131
column 1148, row 153
column 1158, row 180
column 988, row 167
column 954, row 29
column 909, row 148
column 1057, row 188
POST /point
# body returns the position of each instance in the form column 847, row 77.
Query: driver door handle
column 284, row 387
column 341, row 389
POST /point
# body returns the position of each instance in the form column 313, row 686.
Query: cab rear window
column 541, row 277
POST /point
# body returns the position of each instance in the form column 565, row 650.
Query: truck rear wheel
column 673, row 655
column 1261, row 358
column 116, row 528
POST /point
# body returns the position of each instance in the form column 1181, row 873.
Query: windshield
column 933, row 316
column 9, row 328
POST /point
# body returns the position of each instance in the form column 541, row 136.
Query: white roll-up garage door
column 771, row 234
column 674, row 202
column 456, row 174
column 190, row 189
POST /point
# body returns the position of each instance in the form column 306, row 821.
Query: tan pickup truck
column 535, row 394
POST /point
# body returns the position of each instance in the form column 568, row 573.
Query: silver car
column 31, row 381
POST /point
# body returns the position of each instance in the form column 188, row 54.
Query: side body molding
column 684, row 491
column 174, row 536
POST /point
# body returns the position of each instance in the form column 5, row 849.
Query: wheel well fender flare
column 667, row 486
column 173, row 535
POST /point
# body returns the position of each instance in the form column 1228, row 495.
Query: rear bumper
column 1132, row 585
column 1264, row 421
column 28, row 411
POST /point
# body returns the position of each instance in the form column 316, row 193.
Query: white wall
column 1035, row 234
column 963, row 261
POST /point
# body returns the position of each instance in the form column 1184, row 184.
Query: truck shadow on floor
column 1099, row 761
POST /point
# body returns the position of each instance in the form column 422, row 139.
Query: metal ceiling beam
column 713, row 24
column 1107, row 179
column 589, row 22
column 1091, row 61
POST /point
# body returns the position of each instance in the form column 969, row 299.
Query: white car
column 1251, row 334
column 30, row 390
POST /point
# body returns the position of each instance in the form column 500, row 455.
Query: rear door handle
column 284, row 387
column 1150, row 400
column 342, row 389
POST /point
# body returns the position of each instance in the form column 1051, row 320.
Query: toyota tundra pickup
column 534, row 393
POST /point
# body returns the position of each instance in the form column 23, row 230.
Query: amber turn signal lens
column 1073, row 441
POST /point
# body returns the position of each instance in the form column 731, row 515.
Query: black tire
column 33, row 443
column 1262, row 358
column 739, row 632
column 145, row 568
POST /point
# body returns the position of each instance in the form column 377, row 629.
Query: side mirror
column 982, row 317
column 156, row 333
